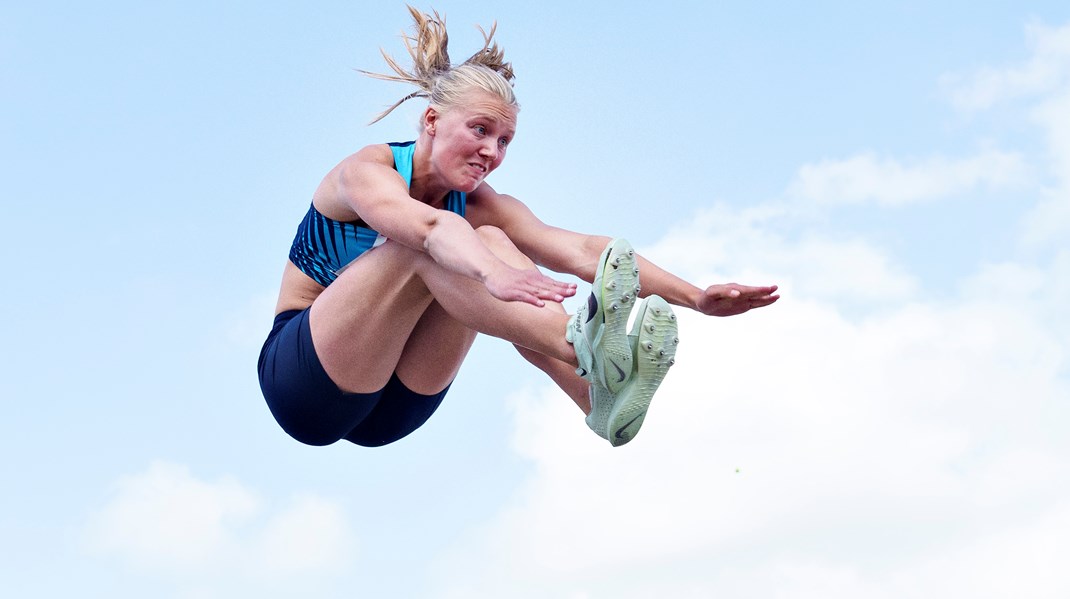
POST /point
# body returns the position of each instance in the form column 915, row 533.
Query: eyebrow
column 489, row 116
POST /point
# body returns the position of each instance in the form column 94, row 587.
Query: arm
column 577, row 254
column 728, row 299
column 366, row 185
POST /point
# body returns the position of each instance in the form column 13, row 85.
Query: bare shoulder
column 330, row 196
column 485, row 206
column 375, row 153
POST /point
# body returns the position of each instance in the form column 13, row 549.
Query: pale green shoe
column 598, row 331
column 654, row 338
column 601, row 405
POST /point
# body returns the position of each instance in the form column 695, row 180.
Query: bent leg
column 399, row 412
column 434, row 352
column 560, row 372
column 373, row 316
column 361, row 322
column 424, row 369
column 301, row 397
column 563, row 374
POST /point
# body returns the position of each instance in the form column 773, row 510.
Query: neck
column 426, row 186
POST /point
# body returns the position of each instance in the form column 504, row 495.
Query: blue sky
column 893, row 427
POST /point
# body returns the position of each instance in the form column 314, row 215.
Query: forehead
column 486, row 105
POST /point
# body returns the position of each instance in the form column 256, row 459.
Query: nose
column 489, row 150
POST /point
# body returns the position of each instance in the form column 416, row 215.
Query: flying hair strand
column 427, row 47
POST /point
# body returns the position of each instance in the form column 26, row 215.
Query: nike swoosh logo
column 620, row 371
column 619, row 434
column 592, row 307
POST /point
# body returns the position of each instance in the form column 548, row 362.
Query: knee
column 498, row 241
column 493, row 237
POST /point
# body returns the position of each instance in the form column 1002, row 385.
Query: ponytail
column 436, row 79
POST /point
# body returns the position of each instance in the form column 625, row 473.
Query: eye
column 480, row 129
column 504, row 141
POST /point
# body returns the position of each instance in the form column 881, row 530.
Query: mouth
column 478, row 167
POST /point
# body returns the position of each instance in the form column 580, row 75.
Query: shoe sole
column 618, row 281
column 657, row 334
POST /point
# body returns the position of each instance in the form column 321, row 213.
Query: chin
column 469, row 186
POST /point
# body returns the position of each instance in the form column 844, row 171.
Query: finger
column 520, row 292
column 558, row 289
column 549, row 294
column 756, row 290
column 746, row 290
column 545, row 288
column 563, row 290
column 530, row 298
column 560, row 285
column 721, row 292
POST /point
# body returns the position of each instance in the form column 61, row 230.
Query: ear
column 429, row 120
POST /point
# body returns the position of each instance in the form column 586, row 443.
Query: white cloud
column 801, row 452
column 1043, row 82
column 210, row 535
column 752, row 246
column 1052, row 115
column 166, row 519
column 311, row 535
column 1047, row 68
column 1023, row 560
column 1049, row 221
column 867, row 178
column 813, row 449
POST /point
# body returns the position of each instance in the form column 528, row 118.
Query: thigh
column 362, row 322
column 439, row 343
column 398, row 413
column 436, row 348
column 303, row 399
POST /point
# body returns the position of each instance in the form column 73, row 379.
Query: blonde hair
column 440, row 82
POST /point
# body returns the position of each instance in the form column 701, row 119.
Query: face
column 469, row 140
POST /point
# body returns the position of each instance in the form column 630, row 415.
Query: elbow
column 431, row 228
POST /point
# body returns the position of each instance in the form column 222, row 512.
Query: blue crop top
column 323, row 247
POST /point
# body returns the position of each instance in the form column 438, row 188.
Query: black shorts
column 312, row 409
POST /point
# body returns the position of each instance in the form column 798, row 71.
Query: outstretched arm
column 577, row 254
column 730, row 299
column 727, row 299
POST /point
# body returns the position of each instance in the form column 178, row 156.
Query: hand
column 732, row 299
column 531, row 286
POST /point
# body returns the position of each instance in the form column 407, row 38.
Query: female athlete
column 406, row 254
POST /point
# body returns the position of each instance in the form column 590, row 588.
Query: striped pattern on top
column 323, row 247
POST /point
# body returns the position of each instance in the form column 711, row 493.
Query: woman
column 407, row 253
